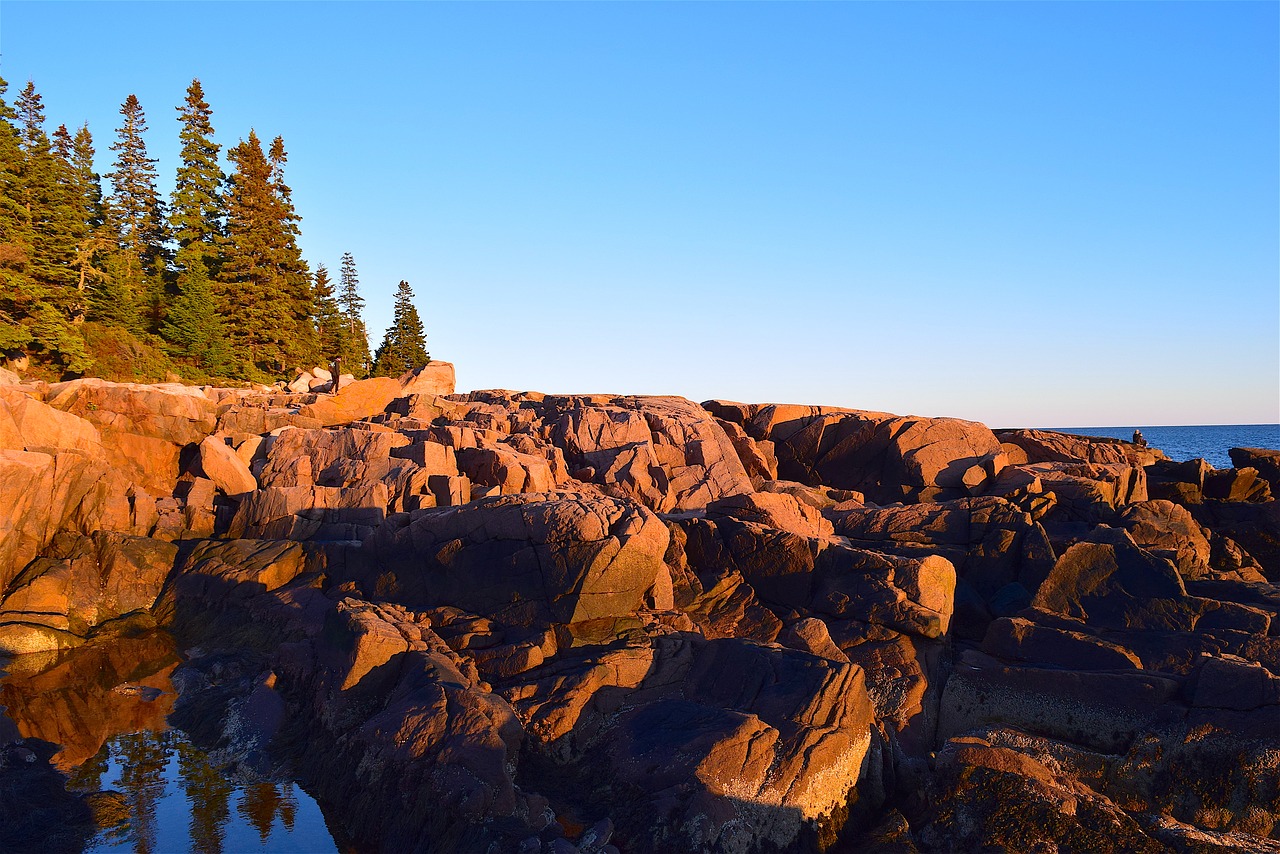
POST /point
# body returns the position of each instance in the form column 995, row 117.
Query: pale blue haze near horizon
column 1021, row 213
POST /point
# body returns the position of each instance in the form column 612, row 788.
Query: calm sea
column 1186, row 443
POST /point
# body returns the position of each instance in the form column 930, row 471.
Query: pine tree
column 97, row 239
column 193, row 328
column 404, row 347
column 47, row 199
column 136, row 213
column 304, row 345
column 355, row 353
column 331, row 326
column 39, row 248
column 135, row 202
column 19, row 293
column 264, row 288
column 197, row 210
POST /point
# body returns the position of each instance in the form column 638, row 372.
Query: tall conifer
column 331, row 326
column 134, row 297
column 404, row 347
column 264, row 287
column 19, row 293
column 355, row 353
column 134, row 202
column 197, row 209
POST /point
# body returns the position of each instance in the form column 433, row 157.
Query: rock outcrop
column 510, row 621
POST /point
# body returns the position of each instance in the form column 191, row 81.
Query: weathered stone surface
column 1017, row 639
column 1102, row 710
column 216, row 573
column 59, row 600
column 773, row 510
column 1265, row 461
column 1254, row 526
column 220, row 463
column 886, row 457
column 825, row 578
column 1047, row 446
column 1167, row 530
column 360, row 399
column 1236, row 485
column 435, row 378
column 311, row 512
column 143, row 427
column 991, row 542
column 29, row 424
column 993, row 798
column 729, row 735
column 527, row 559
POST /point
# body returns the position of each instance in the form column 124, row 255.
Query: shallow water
column 174, row 799
column 107, row 705
column 1210, row 442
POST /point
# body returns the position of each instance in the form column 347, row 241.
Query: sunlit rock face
column 514, row 621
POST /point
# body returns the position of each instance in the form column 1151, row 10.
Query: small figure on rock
column 336, row 370
column 1139, row 439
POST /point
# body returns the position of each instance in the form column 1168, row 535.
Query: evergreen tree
column 331, row 326
column 48, row 202
column 96, row 238
column 404, row 347
column 304, row 349
column 19, row 293
column 135, row 212
column 36, row 247
column 197, row 210
column 264, row 288
column 74, row 223
column 355, row 352
column 193, row 327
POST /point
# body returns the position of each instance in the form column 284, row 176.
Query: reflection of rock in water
column 106, row 704
column 81, row 697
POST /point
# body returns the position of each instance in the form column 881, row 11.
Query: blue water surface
column 1210, row 442
column 175, row 800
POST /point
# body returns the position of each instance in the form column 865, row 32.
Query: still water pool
column 167, row 796
column 149, row 789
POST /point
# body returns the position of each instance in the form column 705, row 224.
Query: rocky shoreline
column 509, row 621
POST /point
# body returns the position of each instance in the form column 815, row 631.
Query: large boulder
column 725, row 745
column 1169, row 531
column 359, row 400
column 228, row 472
column 824, row 577
column 435, row 378
column 1265, row 461
column 991, row 541
column 31, row 425
column 60, row 600
column 1048, row 446
column 144, row 428
column 887, row 457
column 526, row 560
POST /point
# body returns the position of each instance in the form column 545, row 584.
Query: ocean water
column 1210, row 442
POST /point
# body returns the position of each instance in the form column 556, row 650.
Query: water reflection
column 149, row 789
column 173, row 799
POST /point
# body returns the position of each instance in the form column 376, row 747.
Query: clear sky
column 1022, row 213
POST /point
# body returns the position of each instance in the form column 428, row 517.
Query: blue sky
column 1021, row 213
